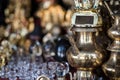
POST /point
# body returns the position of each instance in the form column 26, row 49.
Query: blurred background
column 33, row 37
column 34, row 32
column 38, row 18
column 35, row 18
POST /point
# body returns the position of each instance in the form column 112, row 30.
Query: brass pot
column 112, row 66
column 89, row 55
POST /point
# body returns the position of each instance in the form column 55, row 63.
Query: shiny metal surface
column 42, row 77
column 86, row 14
column 115, row 46
column 2, row 61
column 112, row 66
column 86, row 55
column 114, row 33
column 85, row 75
column 5, row 52
column 86, row 4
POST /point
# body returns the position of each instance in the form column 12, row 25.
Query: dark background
column 35, row 4
column 3, row 5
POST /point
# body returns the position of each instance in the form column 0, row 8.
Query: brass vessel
column 88, row 55
column 85, row 54
column 112, row 66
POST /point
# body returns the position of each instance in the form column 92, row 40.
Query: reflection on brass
column 5, row 52
column 112, row 66
column 2, row 60
column 85, row 54
column 42, row 77
column 87, row 4
column 85, row 75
